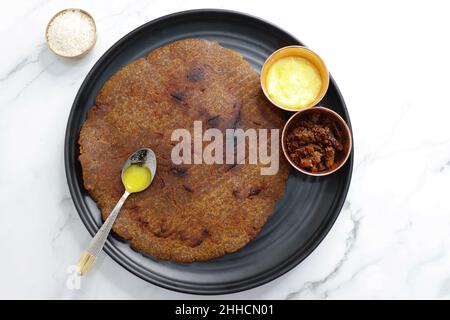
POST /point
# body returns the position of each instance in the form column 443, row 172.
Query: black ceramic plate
column 302, row 217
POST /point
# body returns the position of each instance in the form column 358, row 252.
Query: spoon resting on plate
column 137, row 175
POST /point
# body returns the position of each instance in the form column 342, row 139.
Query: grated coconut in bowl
column 71, row 33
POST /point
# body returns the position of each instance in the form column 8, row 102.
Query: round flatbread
column 190, row 212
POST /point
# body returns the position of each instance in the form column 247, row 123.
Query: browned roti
column 190, row 212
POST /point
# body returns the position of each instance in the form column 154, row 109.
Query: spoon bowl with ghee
column 137, row 175
column 139, row 170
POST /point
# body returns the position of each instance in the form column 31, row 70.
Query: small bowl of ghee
column 294, row 78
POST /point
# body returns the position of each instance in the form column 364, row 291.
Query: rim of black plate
column 131, row 266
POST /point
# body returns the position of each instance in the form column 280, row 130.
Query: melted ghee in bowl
column 293, row 82
column 136, row 178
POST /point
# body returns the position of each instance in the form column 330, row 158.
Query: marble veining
column 391, row 240
column 316, row 285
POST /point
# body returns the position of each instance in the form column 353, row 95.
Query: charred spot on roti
column 195, row 74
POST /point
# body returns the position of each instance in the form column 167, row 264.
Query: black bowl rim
column 114, row 253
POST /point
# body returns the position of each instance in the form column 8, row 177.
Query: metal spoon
column 145, row 157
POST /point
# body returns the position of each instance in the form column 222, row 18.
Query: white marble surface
column 391, row 61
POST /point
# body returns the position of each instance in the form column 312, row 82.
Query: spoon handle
column 88, row 256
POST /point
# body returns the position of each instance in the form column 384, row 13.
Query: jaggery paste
column 316, row 143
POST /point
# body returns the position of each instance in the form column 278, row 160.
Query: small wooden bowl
column 87, row 49
column 347, row 144
column 302, row 52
